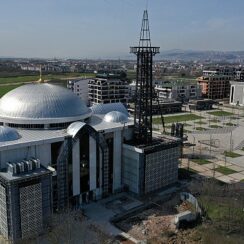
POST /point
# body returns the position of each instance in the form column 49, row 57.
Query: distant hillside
column 190, row 55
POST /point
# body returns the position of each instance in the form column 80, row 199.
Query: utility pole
column 210, row 148
column 231, row 142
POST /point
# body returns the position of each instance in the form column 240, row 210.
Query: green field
column 232, row 154
column 230, row 124
column 200, row 122
column 177, row 118
column 215, row 126
column 224, row 170
column 201, row 161
column 200, row 128
column 6, row 89
column 29, row 78
column 18, row 79
column 9, row 83
column 220, row 113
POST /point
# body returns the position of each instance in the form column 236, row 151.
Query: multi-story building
column 108, row 90
column 215, row 86
column 232, row 72
column 80, row 88
column 222, row 71
column 178, row 90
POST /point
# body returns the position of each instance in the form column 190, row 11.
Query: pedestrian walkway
column 103, row 211
column 234, row 173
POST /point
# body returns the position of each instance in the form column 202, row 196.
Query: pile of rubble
column 184, row 206
column 151, row 222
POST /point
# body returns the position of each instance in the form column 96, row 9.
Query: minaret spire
column 40, row 79
column 145, row 39
column 144, row 89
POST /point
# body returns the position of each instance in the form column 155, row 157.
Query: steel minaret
column 144, row 88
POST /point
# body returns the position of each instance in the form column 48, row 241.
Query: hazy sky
column 106, row 28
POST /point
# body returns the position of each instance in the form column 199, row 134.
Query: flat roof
column 38, row 137
column 35, row 136
column 159, row 142
column 8, row 176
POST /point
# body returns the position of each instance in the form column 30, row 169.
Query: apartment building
column 108, row 90
column 80, row 88
column 178, row 90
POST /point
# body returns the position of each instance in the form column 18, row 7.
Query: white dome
column 42, row 104
column 8, row 134
column 116, row 117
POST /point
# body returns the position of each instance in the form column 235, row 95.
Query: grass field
column 177, row 118
column 9, row 83
column 201, row 161
column 231, row 154
column 215, row 126
column 224, row 170
column 29, row 78
column 200, row 122
column 214, row 209
column 7, row 88
column 220, row 113
column 18, row 79
column 230, row 124
column 200, row 128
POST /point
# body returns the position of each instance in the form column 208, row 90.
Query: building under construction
column 108, row 88
column 215, row 86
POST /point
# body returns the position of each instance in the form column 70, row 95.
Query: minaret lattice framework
column 144, row 88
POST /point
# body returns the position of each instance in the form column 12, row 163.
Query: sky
column 107, row 28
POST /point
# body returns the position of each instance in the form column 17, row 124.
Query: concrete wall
column 128, row 133
column 43, row 152
column 131, row 168
column 76, row 168
column 92, row 164
column 117, row 161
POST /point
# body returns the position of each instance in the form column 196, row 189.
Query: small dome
column 109, row 107
column 8, row 134
column 42, row 104
column 116, row 117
